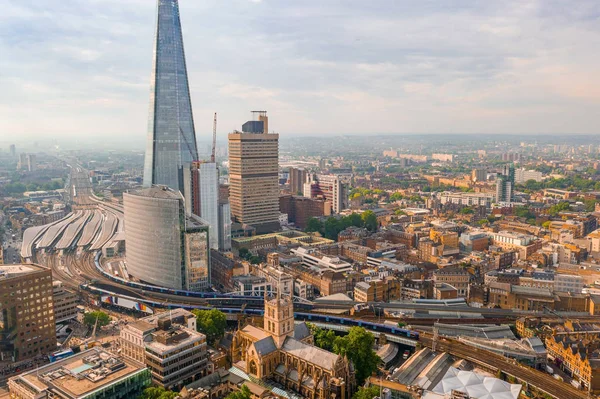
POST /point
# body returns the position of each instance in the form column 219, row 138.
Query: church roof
column 301, row 331
column 265, row 346
column 310, row 353
column 255, row 332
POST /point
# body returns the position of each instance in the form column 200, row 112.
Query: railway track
column 541, row 381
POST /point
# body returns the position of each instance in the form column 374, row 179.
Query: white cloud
column 318, row 66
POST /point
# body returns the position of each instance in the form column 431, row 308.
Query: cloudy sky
column 81, row 68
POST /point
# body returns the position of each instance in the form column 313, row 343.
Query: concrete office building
column 13, row 150
column 171, row 140
column 169, row 345
column 297, row 179
column 164, row 246
column 201, row 192
column 65, row 302
column 92, row 374
column 27, row 327
column 253, row 175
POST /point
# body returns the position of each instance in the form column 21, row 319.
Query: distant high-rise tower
column 171, row 139
column 505, row 184
column 253, row 175
column 13, row 150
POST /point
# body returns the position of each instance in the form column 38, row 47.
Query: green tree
column 556, row 209
column 314, row 225
column 90, row 318
column 331, row 228
column 324, row 339
column 367, row 393
column 467, row 210
column 243, row 393
column 358, row 346
column 244, row 253
column 370, row 220
column 546, row 224
column 354, row 219
column 157, row 393
column 211, row 322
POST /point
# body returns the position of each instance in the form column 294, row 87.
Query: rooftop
column 79, row 374
column 162, row 192
column 12, row 271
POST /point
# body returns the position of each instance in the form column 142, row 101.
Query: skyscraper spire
column 171, row 140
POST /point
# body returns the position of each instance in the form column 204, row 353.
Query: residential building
column 333, row 188
column 27, row 324
column 223, row 269
column 474, row 241
column 579, row 357
column 171, row 140
column 164, row 246
column 522, row 175
column 479, row 175
column 568, row 283
column 457, row 277
column 65, row 302
column 524, row 245
column 283, row 352
column 169, row 345
column 300, row 209
column 505, row 184
column 467, row 199
column 91, row 374
column 377, row 290
column 253, row 175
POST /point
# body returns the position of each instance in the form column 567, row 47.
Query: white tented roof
column 477, row 386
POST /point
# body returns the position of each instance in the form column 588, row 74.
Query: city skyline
column 516, row 67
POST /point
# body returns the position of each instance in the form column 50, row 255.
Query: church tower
column 279, row 318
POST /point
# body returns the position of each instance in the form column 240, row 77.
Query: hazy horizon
column 80, row 72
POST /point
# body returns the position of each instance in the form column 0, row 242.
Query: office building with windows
column 27, row 326
column 164, row 246
column 171, row 141
column 253, row 175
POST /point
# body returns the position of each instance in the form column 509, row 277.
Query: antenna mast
column 214, row 144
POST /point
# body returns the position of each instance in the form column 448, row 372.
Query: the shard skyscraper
column 171, row 136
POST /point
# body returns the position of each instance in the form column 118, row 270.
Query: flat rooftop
column 12, row 271
column 79, row 374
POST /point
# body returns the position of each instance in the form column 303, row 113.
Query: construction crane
column 212, row 155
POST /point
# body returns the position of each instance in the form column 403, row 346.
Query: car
column 406, row 354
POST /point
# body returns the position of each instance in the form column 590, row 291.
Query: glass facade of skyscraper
column 171, row 138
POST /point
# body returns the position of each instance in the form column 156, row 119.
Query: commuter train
column 314, row 317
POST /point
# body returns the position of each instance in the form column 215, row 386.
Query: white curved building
column 163, row 246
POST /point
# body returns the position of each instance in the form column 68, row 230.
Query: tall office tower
column 478, row 175
column 13, row 150
column 224, row 226
column 201, row 191
column 31, row 162
column 253, row 175
column 27, row 326
column 164, row 246
column 505, row 184
column 22, row 164
column 171, row 141
column 297, row 179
